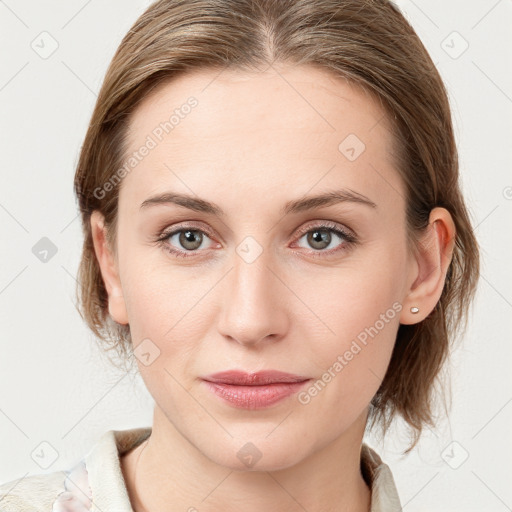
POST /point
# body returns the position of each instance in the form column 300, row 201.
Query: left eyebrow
column 326, row 199
column 295, row 206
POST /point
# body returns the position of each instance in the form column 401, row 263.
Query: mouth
column 254, row 390
column 241, row 378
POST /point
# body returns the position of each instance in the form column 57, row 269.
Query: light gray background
column 56, row 388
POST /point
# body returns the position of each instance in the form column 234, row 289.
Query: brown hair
column 369, row 43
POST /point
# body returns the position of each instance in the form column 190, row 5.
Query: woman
column 275, row 233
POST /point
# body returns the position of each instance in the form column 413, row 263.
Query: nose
column 253, row 306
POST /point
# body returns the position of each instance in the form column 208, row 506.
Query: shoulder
column 379, row 478
column 60, row 491
column 98, row 472
column 35, row 492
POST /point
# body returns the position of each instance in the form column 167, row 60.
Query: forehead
column 273, row 129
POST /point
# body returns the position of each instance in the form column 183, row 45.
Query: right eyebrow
column 186, row 201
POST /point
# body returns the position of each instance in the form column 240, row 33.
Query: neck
column 166, row 472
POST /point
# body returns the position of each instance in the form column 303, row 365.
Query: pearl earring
column 414, row 310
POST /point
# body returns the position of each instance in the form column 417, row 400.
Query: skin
column 254, row 142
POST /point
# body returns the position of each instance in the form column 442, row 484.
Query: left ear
column 434, row 254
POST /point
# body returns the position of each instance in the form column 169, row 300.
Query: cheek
column 349, row 366
column 355, row 332
column 167, row 306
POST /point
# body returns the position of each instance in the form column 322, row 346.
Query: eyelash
column 349, row 239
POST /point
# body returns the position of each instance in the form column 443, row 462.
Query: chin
column 258, row 455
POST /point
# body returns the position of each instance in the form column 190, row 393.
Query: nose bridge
column 252, row 277
column 251, row 306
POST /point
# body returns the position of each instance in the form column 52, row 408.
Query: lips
column 241, row 378
column 254, row 390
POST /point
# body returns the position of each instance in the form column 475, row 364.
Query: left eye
column 320, row 237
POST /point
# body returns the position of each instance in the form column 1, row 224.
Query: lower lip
column 254, row 397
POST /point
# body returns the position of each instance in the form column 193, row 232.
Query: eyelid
column 326, row 224
column 191, row 225
column 312, row 224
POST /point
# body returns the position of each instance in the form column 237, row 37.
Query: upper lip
column 242, row 378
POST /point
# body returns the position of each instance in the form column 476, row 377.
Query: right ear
column 109, row 270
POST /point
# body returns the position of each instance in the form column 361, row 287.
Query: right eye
column 186, row 239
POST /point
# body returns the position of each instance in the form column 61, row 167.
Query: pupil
column 188, row 239
column 320, row 236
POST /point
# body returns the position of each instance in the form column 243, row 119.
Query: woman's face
column 258, row 278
